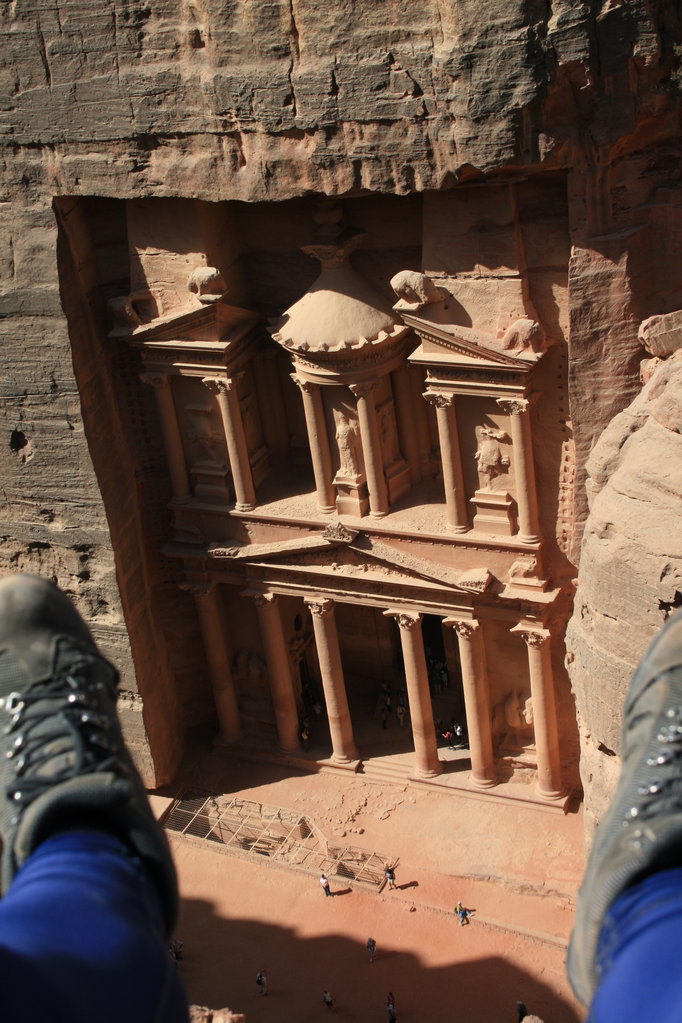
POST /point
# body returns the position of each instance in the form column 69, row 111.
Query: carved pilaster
column 371, row 447
column 451, row 460
column 225, row 390
column 175, row 455
column 518, row 409
column 318, row 440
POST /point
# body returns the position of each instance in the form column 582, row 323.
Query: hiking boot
column 642, row 831
column 63, row 760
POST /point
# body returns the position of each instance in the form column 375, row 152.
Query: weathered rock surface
column 631, row 568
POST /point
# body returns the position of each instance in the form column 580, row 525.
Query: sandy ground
column 517, row 867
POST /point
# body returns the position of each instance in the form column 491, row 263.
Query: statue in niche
column 347, row 443
column 512, row 720
column 203, row 432
column 492, row 461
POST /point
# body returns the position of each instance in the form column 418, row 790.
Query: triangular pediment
column 353, row 554
column 466, row 344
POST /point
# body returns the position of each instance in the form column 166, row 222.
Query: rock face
column 631, row 568
column 527, row 161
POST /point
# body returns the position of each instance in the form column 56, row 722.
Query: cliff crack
column 42, row 51
column 294, row 32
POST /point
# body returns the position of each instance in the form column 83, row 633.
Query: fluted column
column 451, row 458
column 476, row 699
column 279, row 670
column 418, row 694
column 371, row 448
column 172, row 440
column 316, row 427
column 331, row 669
column 518, row 409
column 219, row 658
column 228, row 402
column 544, row 710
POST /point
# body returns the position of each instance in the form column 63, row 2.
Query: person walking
column 390, row 1007
column 390, row 876
column 328, row 998
column 262, row 982
column 371, row 948
column 462, row 913
column 325, row 885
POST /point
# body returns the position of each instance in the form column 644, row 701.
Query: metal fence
column 242, row 827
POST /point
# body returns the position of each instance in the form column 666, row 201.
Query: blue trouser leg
column 640, row 954
column 82, row 939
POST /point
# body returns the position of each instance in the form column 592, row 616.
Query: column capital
column 218, row 385
column 439, row 399
column 260, row 599
column 535, row 638
column 304, row 385
column 406, row 619
column 320, row 607
column 364, row 389
column 464, row 627
column 514, row 406
column 155, row 380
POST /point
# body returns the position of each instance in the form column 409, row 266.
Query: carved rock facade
column 166, row 211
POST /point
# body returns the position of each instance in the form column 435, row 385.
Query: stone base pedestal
column 397, row 480
column 211, row 483
column 351, row 495
column 495, row 513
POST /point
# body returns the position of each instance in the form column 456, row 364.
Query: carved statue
column 524, row 568
column 492, row 461
column 206, row 281
column 524, row 334
column 416, row 290
column 347, row 443
column 512, row 721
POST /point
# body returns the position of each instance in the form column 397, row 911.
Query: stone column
column 219, row 658
column 316, row 426
column 172, row 440
column 476, row 699
column 237, row 451
column 544, row 711
column 371, row 448
column 408, row 435
column 329, row 656
column 518, row 409
column 416, row 676
column 453, row 477
column 279, row 670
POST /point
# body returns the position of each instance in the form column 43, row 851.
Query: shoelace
column 79, row 736
column 664, row 791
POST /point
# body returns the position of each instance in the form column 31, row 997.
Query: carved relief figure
column 347, row 443
column 492, row 461
column 512, row 722
column 204, row 432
